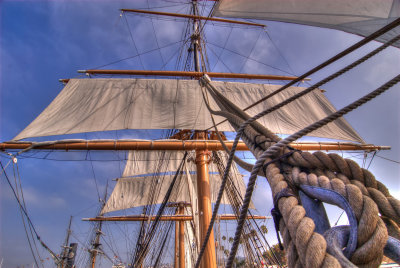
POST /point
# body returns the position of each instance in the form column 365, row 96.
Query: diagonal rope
column 270, row 152
column 345, row 52
column 159, row 213
column 249, row 121
column 27, row 216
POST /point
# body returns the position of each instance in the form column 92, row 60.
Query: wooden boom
column 167, row 218
column 186, row 145
column 189, row 74
column 191, row 17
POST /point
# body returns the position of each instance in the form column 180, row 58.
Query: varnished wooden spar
column 187, row 145
column 189, row 74
column 191, row 17
column 167, row 218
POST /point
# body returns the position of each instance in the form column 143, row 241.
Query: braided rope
column 271, row 151
column 305, row 248
column 283, row 143
column 350, row 172
column 372, row 233
column 273, row 137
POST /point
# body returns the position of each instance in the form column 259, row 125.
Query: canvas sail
column 88, row 105
column 137, row 191
column 137, row 187
column 361, row 17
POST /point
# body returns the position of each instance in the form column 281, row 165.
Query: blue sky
column 43, row 41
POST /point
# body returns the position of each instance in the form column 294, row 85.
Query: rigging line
column 338, row 56
column 176, row 5
column 23, row 221
column 251, row 51
column 308, row 90
column 336, row 223
column 155, row 35
column 250, row 58
column 223, row 48
column 238, row 195
column 133, row 41
column 161, row 251
column 226, row 66
column 370, row 162
column 160, row 211
column 364, row 159
column 391, row 160
column 4, row 168
column 172, row 56
column 279, row 51
column 179, row 60
column 114, row 251
column 23, row 202
column 209, row 16
column 94, row 176
column 26, row 214
column 282, row 143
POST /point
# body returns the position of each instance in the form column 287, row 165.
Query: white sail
column 137, row 191
column 88, row 105
column 361, row 17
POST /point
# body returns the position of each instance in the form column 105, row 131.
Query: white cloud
column 36, row 199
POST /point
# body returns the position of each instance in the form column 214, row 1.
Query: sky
column 43, row 41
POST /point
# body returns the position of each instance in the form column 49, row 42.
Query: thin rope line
column 133, row 41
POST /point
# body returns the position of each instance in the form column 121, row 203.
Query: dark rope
column 27, row 216
column 275, row 148
column 249, row 121
column 345, row 52
column 157, row 262
column 160, row 212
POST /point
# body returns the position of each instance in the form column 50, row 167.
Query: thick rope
column 214, row 92
column 224, row 102
column 345, row 52
column 270, row 152
column 372, row 233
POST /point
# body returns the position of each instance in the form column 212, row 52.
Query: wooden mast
column 179, row 254
column 65, row 247
column 96, row 243
column 202, row 159
column 176, row 254
column 181, row 210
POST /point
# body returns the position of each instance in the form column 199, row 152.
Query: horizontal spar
column 186, row 145
column 191, row 17
column 167, row 218
column 190, row 74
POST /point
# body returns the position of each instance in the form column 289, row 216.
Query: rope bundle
column 281, row 165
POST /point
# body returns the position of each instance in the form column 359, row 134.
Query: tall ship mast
column 174, row 129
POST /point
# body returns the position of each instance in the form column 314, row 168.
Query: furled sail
column 88, row 105
column 361, row 17
column 136, row 188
